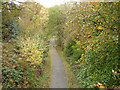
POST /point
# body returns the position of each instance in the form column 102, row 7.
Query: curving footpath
column 58, row 75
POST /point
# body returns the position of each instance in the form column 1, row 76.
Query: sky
column 49, row 3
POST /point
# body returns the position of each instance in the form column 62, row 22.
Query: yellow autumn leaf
column 10, row 80
column 100, row 27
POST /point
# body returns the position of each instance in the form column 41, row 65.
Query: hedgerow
column 96, row 50
column 24, row 48
column 91, row 42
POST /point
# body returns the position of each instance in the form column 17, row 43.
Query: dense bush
column 68, row 48
column 22, row 68
column 10, row 13
column 97, row 63
column 14, row 29
column 96, row 44
column 94, row 29
column 25, row 52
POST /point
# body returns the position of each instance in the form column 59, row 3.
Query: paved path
column 58, row 75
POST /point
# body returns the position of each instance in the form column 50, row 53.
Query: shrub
column 100, row 58
column 23, row 63
column 68, row 48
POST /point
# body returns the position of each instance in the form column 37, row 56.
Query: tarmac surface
column 58, row 75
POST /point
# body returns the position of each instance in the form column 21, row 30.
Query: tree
column 33, row 19
column 10, row 13
column 91, row 41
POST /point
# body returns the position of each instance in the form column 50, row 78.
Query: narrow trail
column 58, row 75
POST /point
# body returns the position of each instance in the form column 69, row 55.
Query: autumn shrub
column 16, row 73
column 77, row 51
column 30, row 51
column 94, row 56
column 68, row 48
column 96, row 64
column 10, row 15
column 23, row 63
column 24, row 47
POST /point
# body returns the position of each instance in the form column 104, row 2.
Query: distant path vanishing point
column 58, row 75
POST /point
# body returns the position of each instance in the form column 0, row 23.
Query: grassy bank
column 72, row 81
column 45, row 79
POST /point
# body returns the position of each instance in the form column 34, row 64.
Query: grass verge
column 45, row 78
column 72, row 80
